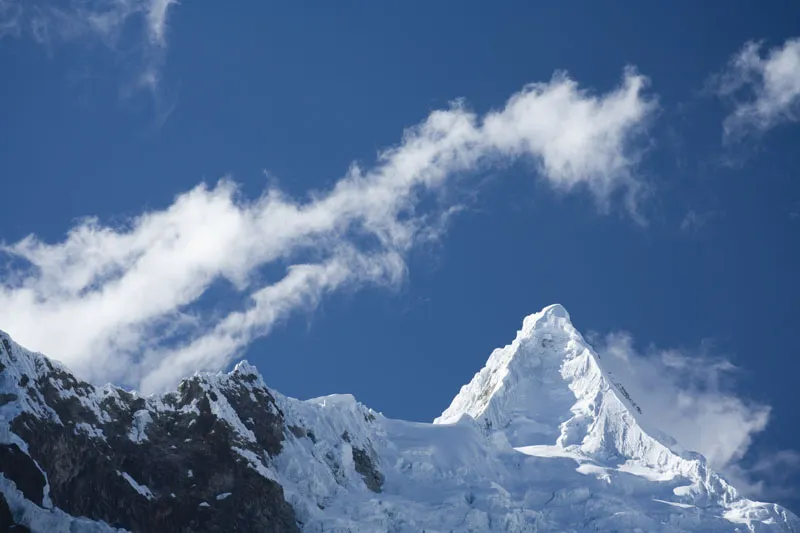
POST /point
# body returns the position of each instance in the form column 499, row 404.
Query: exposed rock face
column 155, row 464
column 19, row 468
column 366, row 467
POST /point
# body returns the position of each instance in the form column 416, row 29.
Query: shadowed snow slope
column 542, row 439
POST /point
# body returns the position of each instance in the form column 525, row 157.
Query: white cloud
column 578, row 136
column 122, row 303
column 157, row 19
column 691, row 394
column 765, row 89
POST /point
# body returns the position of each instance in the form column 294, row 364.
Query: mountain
column 542, row 439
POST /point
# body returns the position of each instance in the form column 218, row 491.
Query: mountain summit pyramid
column 541, row 439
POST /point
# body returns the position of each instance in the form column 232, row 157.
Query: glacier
column 541, row 439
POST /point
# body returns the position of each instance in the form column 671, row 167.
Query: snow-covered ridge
column 542, row 439
column 548, row 387
column 547, row 394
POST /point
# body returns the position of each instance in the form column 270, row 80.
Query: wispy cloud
column 696, row 220
column 764, row 89
column 692, row 395
column 10, row 18
column 53, row 23
column 771, row 475
column 121, row 303
column 794, row 212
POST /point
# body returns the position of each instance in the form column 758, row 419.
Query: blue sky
column 660, row 205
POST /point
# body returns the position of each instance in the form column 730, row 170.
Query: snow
column 20, row 365
column 190, row 408
column 141, row 419
column 89, row 402
column 675, row 504
column 638, row 469
column 204, row 504
column 224, row 411
column 255, row 462
column 334, row 400
column 245, row 368
column 541, row 439
column 54, row 520
column 95, row 433
column 550, row 451
column 141, row 489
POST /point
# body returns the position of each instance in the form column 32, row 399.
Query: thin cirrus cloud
column 692, row 395
column 124, row 303
column 764, row 88
column 52, row 23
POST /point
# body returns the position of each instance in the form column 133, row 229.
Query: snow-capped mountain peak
column 547, row 394
column 526, row 387
column 541, row 439
column 545, row 387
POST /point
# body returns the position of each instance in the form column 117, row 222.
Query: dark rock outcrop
column 156, row 465
column 17, row 466
column 365, row 466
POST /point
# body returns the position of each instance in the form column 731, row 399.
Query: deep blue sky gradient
column 303, row 89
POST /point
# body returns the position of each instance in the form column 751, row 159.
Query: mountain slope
column 542, row 439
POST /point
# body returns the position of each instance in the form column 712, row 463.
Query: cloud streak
column 691, row 393
column 125, row 303
column 764, row 89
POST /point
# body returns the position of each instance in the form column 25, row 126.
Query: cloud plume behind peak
column 121, row 303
